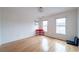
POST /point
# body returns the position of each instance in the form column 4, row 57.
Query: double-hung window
column 61, row 26
column 45, row 25
column 36, row 25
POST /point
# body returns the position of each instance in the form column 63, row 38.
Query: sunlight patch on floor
column 44, row 44
column 59, row 47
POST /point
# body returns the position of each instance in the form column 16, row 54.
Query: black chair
column 73, row 41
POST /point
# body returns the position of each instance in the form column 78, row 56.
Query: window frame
column 46, row 26
column 36, row 25
column 64, row 25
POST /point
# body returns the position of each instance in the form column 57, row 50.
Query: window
column 36, row 25
column 61, row 26
column 45, row 24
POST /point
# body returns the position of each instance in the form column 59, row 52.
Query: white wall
column 16, row 24
column 0, row 25
column 78, row 22
column 71, row 27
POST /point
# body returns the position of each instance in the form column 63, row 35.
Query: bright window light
column 61, row 26
column 45, row 24
column 36, row 25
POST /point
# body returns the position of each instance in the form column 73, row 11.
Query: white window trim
column 61, row 25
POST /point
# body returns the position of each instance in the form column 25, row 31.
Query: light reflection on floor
column 59, row 47
column 44, row 44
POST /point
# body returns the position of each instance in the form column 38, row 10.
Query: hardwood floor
column 38, row 44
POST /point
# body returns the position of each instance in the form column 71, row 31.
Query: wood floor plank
column 38, row 44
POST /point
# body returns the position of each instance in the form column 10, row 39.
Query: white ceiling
column 34, row 12
column 52, row 10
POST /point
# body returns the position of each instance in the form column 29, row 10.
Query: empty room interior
column 39, row 29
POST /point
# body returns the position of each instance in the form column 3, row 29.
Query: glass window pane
column 60, row 30
column 36, row 25
column 60, row 21
column 61, row 26
column 45, row 23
